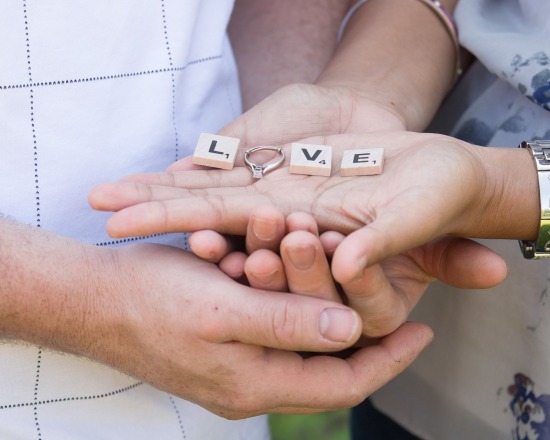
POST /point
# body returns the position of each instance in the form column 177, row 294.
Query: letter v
column 308, row 157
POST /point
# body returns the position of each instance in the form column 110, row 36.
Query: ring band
column 258, row 171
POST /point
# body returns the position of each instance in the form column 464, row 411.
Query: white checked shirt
column 90, row 92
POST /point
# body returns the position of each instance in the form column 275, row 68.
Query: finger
column 184, row 164
column 226, row 212
column 116, row 196
column 330, row 383
column 233, row 266
column 210, row 246
column 291, row 322
column 306, row 266
column 265, row 230
column 330, row 240
column 382, row 239
column 301, row 221
column 141, row 188
column 264, row 270
column 382, row 307
column 461, row 263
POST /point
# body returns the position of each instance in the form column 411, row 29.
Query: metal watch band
column 540, row 248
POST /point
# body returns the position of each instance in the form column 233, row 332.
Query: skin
column 295, row 45
column 357, row 86
column 474, row 208
column 301, row 265
column 347, row 97
column 366, row 210
column 127, row 318
column 147, row 325
column 94, row 302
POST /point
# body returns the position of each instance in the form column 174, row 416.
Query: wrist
column 507, row 205
column 50, row 288
column 410, row 73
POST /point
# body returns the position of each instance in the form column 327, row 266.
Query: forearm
column 398, row 53
column 282, row 42
column 50, row 288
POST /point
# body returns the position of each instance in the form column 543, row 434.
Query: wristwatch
column 540, row 248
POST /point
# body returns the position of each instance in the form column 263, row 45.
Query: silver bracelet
column 347, row 18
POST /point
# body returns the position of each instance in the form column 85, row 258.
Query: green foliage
column 324, row 426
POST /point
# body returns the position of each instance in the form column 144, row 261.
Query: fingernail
column 263, row 229
column 361, row 266
column 302, row 257
column 338, row 325
column 362, row 263
column 265, row 277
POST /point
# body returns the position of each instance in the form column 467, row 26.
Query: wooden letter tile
column 313, row 160
column 216, row 151
column 365, row 162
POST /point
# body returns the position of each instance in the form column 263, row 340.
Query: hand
column 299, row 111
column 383, row 294
column 260, row 265
column 181, row 325
column 431, row 186
column 257, row 262
column 167, row 318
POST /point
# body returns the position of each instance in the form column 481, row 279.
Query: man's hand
column 178, row 323
column 186, row 328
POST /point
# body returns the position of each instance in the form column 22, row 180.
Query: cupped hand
column 431, row 186
column 299, row 111
column 181, row 325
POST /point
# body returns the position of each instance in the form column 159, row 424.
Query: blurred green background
column 324, row 426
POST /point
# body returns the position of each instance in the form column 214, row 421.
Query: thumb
column 387, row 236
column 290, row 322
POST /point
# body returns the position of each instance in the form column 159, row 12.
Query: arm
column 398, row 54
column 391, row 70
column 282, row 42
column 110, row 305
column 436, row 184
column 47, row 288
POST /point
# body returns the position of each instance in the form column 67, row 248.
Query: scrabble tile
column 365, row 162
column 313, row 160
column 216, row 151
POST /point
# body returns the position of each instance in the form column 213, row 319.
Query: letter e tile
column 216, row 151
column 313, row 160
column 365, row 162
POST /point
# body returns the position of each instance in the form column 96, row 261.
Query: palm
column 300, row 111
column 222, row 200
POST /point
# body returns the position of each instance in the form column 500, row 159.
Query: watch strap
column 540, row 248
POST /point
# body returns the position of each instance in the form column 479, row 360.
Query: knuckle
column 240, row 405
column 356, row 396
column 286, row 324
